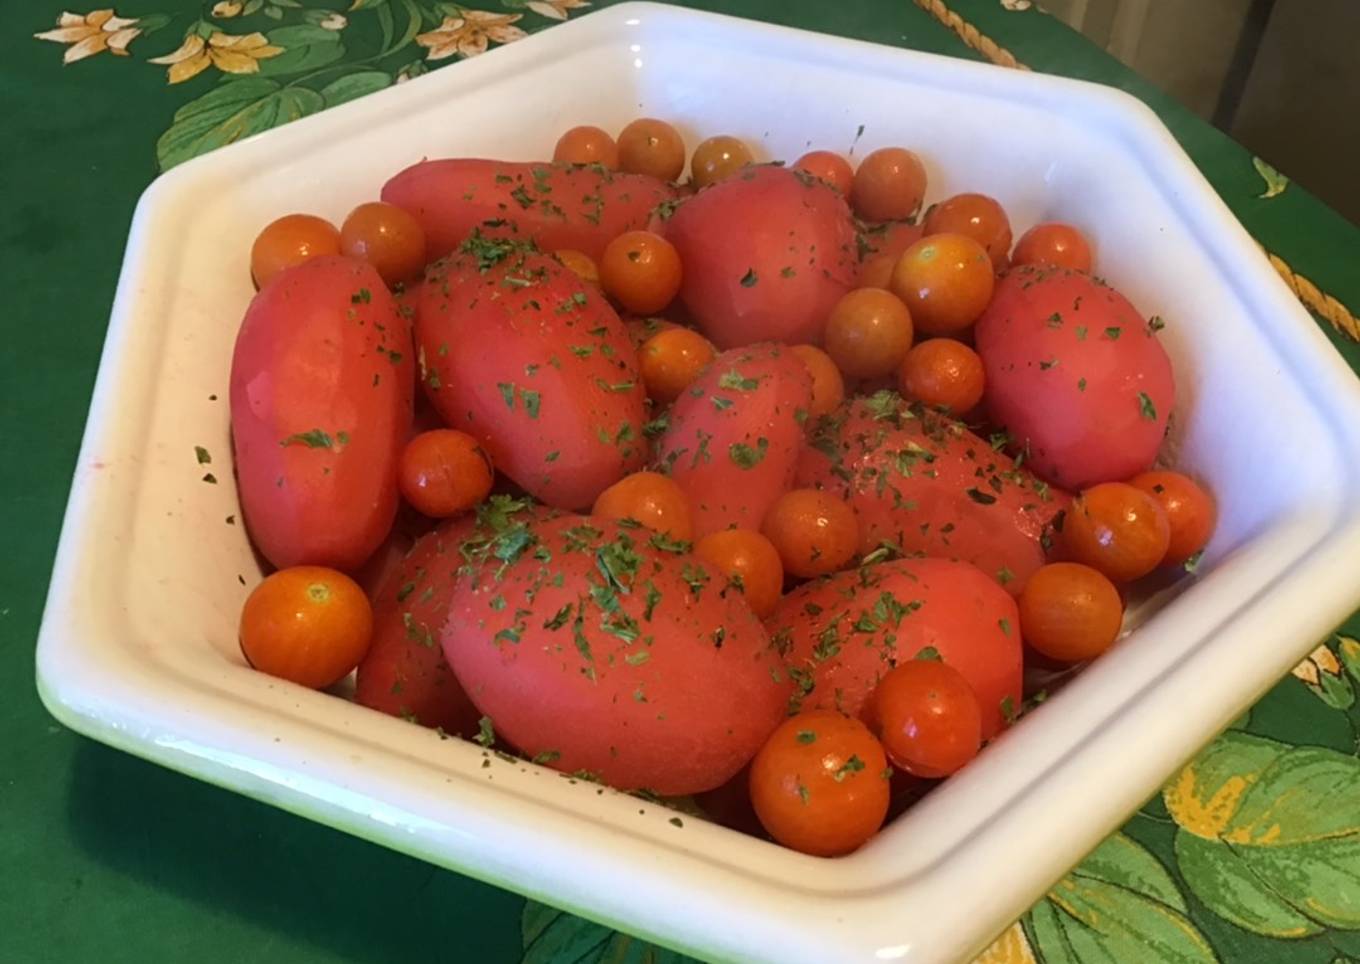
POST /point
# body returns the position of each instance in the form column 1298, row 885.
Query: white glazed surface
column 138, row 644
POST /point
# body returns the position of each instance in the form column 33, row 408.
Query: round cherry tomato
column 716, row 158
column 820, row 784
column 976, row 216
column 868, row 332
column 828, row 388
column 641, row 271
column 671, row 360
column 928, row 718
column 291, row 240
column 946, row 281
column 587, row 145
column 650, row 498
column 748, row 560
column 650, row 146
column 580, row 264
column 1117, row 529
column 1070, row 612
column 1189, row 509
column 889, row 185
column 387, row 237
column 1057, row 244
column 444, row 472
column 944, row 373
column 814, row 532
column 829, row 167
column 306, row 624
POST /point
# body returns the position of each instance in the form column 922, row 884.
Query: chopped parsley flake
column 486, row 732
column 313, row 439
column 531, row 401
column 980, row 497
column 850, row 766
column 747, row 457
column 930, row 653
column 1113, row 332
column 202, row 455
column 806, row 736
column 1146, row 408
column 749, row 279
column 735, row 380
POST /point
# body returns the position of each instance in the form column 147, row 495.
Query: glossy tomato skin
column 777, row 277
column 321, row 402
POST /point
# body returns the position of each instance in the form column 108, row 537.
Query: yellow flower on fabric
column 469, row 34
column 91, row 33
column 226, row 9
column 555, row 9
column 229, row 53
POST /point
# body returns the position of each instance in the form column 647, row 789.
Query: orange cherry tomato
column 1117, row 529
column 829, row 167
column 1057, row 244
column 580, row 264
column 889, row 185
column 587, row 145
column 828, row 388
column 291, row 240
column 977, row 216
column 652, row 499
column 716, row 158
column 671, row 360
column 819, row 785
column 868, row 332
column 748, row 560
column 1070, row 612
column 946, row 281
column 814, row 532
column 387, row 237
column 641, row 271
column 1190, row 510
column 306, row 624
column 650, row 146
column 944, row 373
column 444, row 472
column 928, row 718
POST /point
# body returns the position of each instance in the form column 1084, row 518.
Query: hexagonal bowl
column 138, row 644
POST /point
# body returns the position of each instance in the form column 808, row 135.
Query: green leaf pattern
column 279, row 60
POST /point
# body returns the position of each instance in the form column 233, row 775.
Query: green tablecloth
column 1251, row 855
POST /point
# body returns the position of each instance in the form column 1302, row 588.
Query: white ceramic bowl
column 138, row 645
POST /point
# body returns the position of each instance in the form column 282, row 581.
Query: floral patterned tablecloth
column 1250, row 854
